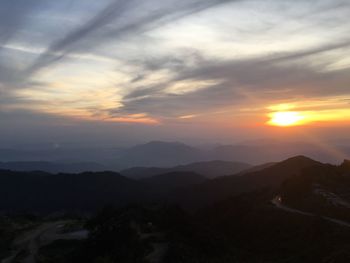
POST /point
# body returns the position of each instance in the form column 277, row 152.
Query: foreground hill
column 293, row 211
column 244, row 228
column 323, row 190
column 309, row 223
column 223, row 187
column 46, row 192
column 258, row 231
column 174, row 180
column 210, row 169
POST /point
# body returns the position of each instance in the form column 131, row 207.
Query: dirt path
column 277, row 202
column 159, row 246
column 31, row 241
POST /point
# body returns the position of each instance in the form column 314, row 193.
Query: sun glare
column 286, row 118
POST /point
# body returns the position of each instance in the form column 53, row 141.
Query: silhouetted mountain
column 45, row 192
column 173, row 180
column 37, row 191
column 40, row 191
column 159, row 154
column 210, row 169
column 284, row 212
column 345, row 166
column 223, row 187
column 52, row 167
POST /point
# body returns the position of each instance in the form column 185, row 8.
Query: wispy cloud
column 237, row 82
column 113, row 22
column 13, row 14
column 189, row 81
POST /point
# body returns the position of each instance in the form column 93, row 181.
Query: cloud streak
column 111, row 21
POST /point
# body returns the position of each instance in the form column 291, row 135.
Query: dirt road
column 31, row 241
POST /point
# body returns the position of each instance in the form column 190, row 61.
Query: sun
column 286, row 118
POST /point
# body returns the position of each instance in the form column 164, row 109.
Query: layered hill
column 43, row 191
column 210, row 169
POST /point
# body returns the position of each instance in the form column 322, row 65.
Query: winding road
column 277, row 202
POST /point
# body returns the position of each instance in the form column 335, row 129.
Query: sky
column 126, row 71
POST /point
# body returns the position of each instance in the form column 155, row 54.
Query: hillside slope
column 223, row 187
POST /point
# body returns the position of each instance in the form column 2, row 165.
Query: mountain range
column 52, row 167
column 295, row 210
column 169, row 154
column 209, row 169
column 86, row 191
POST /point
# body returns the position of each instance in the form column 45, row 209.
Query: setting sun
column 286, row 118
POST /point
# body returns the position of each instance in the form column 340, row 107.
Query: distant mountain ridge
column 210, row 169
column 169, row 154
column 159, row 154
column 53, row 167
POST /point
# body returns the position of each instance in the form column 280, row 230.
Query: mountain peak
column 297, row 162
column 300, row 158
column 345, row 166
column 346, row 162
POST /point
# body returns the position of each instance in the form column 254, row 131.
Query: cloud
column 240, row 82
column 113, row 22
column 13, row 14
column 310, row 52
column 112, row 12
column 117, row 19
column 232, row 82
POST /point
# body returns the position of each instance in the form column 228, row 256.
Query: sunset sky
column 136, row 70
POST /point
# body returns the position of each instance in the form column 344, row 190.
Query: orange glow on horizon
column 332, row 112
